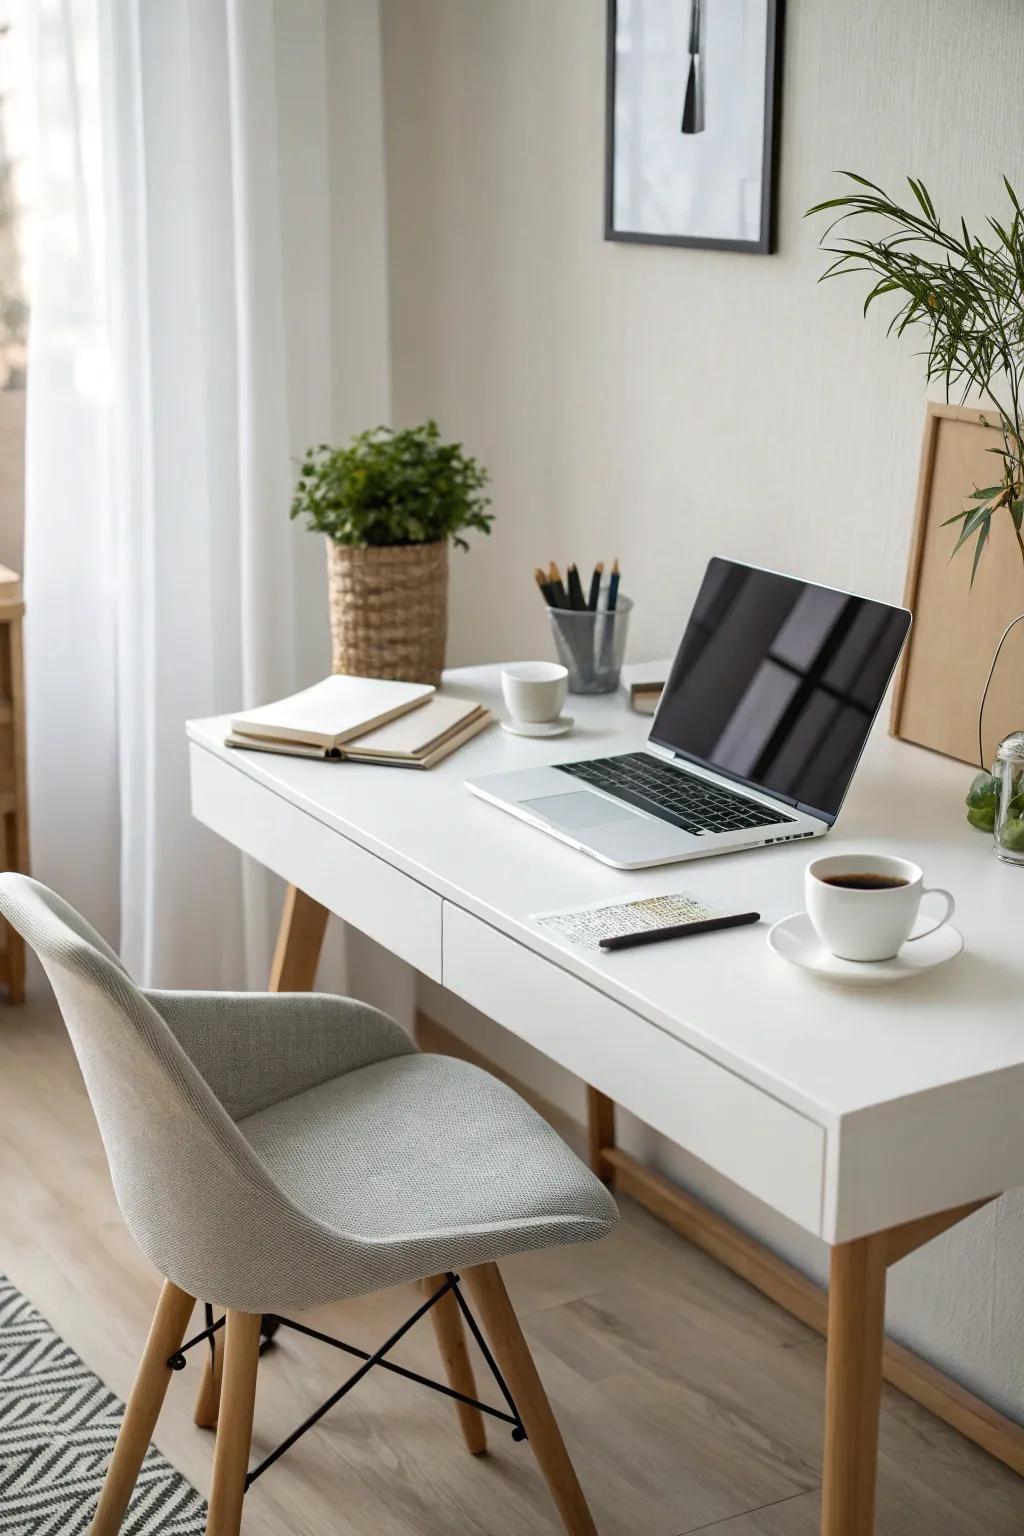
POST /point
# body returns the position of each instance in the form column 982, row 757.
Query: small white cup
column 534, row 691
column 867, row 923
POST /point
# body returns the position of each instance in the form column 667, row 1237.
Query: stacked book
column 362, row 720
column 643, row 682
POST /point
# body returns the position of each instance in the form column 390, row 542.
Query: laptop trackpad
column 577, row 809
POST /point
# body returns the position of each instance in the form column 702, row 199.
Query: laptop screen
column 777, row 681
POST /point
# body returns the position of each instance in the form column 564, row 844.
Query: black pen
column 680, row 930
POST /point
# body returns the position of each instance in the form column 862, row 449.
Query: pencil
column 595, row 586
column 576, row 598
column 546, row 590
column 613, row 588
column 558, row 591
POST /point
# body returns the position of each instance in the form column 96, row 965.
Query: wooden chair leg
column 853, row 1387
column 299, row 941
column 512, row 1352
column 170, row 1320
column 208, row 1396
column 600, row 1132
column 234, row 1426
column 451, row 1343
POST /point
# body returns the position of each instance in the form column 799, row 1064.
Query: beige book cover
column 330, row 713
column 430, row 733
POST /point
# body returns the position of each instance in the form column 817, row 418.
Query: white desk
column 852, row 1112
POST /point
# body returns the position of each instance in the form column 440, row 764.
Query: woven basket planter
column 389, row 610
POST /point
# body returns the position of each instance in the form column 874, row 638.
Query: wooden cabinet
column 13, row 789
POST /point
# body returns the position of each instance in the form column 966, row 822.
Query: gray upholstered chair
column 271, row 1152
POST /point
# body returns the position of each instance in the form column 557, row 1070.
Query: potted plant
column 967, row 293
column 388, row 505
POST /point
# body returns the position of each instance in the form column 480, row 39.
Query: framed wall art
column 692, row 135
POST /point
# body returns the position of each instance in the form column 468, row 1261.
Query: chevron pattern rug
column 58, row 1423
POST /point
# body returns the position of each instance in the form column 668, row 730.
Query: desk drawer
column 764, row 1147
column 366, row 891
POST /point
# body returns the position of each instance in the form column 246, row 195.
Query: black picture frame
column 765, row 245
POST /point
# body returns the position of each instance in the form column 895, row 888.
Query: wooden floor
column 689, row 1402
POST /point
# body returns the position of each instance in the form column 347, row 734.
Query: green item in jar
column 982, row 802
column 1011, row 834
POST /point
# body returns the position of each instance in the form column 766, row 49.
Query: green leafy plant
column 967, row 293
column 391, row 487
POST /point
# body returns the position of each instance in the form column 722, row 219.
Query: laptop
column 768, row 705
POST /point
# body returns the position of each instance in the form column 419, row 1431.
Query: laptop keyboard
column 674, row 795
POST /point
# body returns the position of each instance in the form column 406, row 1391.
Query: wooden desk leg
column 600, row 1132
column 299, row 940
column 853, row 1389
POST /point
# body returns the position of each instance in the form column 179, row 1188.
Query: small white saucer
column 539, row 727
column 795, row 940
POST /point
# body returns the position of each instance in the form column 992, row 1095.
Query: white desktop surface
column 919, row 1085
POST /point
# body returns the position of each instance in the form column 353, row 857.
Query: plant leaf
column 982, row 538
column 918, row 189
column 885, row 285
column 973, row 523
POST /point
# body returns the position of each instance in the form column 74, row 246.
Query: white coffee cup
column 534, row 691
column 865, row 921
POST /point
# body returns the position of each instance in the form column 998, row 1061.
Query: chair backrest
column 196, row 1198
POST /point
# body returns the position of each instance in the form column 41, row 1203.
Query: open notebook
column 403, row 725
column 319, row 720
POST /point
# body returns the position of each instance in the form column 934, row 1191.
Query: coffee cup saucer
column 794, row 939
column 539, row 727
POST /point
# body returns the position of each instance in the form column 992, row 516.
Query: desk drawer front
column 751, row 1138
column 366, row 891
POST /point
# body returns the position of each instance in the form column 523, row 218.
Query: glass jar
column 1008, row 770
column 591, row 644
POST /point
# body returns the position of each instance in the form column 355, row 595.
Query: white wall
column 667, row 404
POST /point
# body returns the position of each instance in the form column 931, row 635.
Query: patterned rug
column 58, row 1423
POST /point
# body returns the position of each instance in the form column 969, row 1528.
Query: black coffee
column 865, row 882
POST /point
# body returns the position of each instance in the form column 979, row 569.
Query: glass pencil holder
column 591, row 645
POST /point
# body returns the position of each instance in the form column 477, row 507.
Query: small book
column 643, row 682
column 319, row 720
column 422, row 739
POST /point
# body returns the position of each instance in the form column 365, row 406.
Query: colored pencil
column 613, row 587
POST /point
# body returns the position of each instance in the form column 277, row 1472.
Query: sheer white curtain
column 180, row 362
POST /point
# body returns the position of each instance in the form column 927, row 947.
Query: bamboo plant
column 967, row 293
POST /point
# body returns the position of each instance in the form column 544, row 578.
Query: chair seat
column 431, row 1164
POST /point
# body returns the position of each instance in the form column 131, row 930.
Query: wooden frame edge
column 938, row 410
